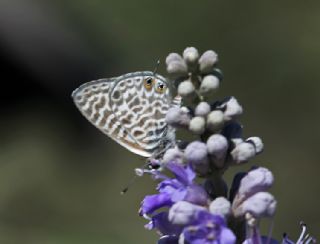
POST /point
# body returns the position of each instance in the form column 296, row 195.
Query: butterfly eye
column 148, row 82
column 161, row 87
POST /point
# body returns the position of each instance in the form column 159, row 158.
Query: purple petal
column 208, row 229
column 193, row 234
column 286, row 240
column 265, row 240
column 168, row 240
column 205, row 216
column 227, row 236
column 183, row 174
column 179, row 195
column 197, row 195
column 163, row 225
column 201, row 241
column 169, row 186
column 153, row 202
column 174, row 189
column 268, row 240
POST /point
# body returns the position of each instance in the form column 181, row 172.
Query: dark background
column 60, row 177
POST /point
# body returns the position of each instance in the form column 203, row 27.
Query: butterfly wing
column 140, row 109
column 93, row 101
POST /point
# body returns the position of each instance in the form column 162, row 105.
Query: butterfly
column 130, row 109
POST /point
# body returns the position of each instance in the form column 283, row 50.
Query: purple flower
column 208, row 229
column 180, row 188
column 262, row 240
column 304, row 237
column 168, row 240
column 161, row 222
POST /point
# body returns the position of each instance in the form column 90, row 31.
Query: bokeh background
column 60, row 177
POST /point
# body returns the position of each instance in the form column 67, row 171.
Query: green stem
column 218, row 183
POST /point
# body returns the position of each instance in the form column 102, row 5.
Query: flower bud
column 196, row 153
column 173, row 155
column 191, row 56
column 176, row 66
column 186, row 88
column 197, row 125
column 183, row 212
column 215, row 120
column 161, row 222
column 173, row 57
column 177, row 69
column 209, row 84
column 257, row 143
column 256, row 180
column 220, row 206
column 236, row 141
column 243, row 152
column 217, row 148
column 178, row 117
column 207, row 61
column 261, row 204
column 233, row 109
column 202, row 109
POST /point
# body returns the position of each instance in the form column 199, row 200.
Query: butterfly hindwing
column 93, row 100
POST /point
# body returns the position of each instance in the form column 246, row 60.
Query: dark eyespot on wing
column 116, row 95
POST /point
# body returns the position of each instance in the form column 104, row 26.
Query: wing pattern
column 125, row 111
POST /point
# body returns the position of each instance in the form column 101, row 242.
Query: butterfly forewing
column 141, row 111
column 126, row 111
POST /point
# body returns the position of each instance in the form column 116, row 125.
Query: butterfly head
column 153, row 83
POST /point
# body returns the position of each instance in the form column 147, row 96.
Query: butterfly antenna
column 138, row 173
column 156, row 67
column 132, row 181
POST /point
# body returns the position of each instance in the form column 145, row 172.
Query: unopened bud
column 186, row 88
column 215, row 120
column 217, row 148
column 220, row 206
column 191, row 56
column 207, row 61
column 202, row 109
column 209, row 84
column 233, row 109
column 257, row 143
column 197, row 125
column 243, row 152
column 183, row 212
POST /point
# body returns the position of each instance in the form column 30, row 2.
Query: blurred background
column 60, row 178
